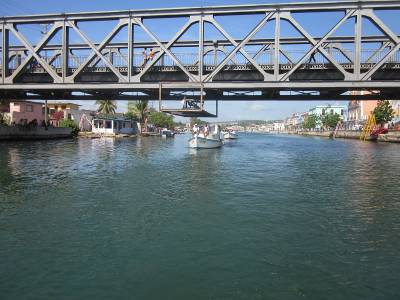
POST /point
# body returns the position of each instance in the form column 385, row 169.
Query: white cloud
column 257, row 107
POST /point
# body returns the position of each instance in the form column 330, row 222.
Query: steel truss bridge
column 254, row 67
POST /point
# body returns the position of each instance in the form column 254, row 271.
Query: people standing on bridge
column 145, row 57
column 312, row 57
column 152, row 54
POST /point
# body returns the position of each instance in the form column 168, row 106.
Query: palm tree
column 140, row 109
column 106, row 106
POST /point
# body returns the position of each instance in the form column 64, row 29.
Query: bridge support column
column 277, row 45
column 358, row 35
column 65, row 51
column 5, row 52
column 201, row 47
column 46, row 114
column 130, row 48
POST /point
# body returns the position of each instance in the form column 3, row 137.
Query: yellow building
column 61, row 106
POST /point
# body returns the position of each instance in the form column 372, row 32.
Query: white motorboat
column 230, row 135
column 213, row 140
column 167, row 133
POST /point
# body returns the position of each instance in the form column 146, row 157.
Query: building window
column 331, row 111
column 108, row 124
column 323, row 111
column 342, row 112
column 29, row 108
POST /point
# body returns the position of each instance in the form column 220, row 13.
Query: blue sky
column 228, row 110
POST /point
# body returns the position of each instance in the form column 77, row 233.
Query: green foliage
column 197, row 121
column 70, row 124
column 106, row 106
column 384, row 112
column 330, row 120
column 3, row 118
column 179, row 124
column 160, row 119
column 138, row 110
column 310, row 122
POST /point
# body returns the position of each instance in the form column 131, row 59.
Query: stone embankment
column 91, row 135
column 393, row 137
column 18, row 133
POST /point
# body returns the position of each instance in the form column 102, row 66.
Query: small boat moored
column 167, row 133
column 375, row 134
column 230, row 135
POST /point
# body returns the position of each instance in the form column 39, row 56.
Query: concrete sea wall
column 392, row 137
column 340, row 134
column 12, row 133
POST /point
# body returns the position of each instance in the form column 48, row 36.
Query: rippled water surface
column 265, row 217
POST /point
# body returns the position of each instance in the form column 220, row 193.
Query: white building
column 113, row 126
column 279, row 126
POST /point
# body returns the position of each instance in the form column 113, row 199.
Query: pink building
column 358, row 111
column 24, row 112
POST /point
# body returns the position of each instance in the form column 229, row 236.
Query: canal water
column 265, row 217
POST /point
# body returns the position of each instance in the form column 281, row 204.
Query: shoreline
column 391, row 137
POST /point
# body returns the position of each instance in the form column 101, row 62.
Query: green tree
column 106, row 106
column 330, row 120
column 384, row 112
column 197, row 121
column 140, row 110
column 70, row 124
column 2, row 115
column 160, row 119
column 310, row 122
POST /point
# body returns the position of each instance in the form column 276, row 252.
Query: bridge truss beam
column 27, row 73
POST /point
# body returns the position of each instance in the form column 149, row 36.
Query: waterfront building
column 65, row 107
column 323, row 110
column 294, row 121
column 82, row 118
column 396, row 106
column 110, row 125
column 358, row 111
column 59, row 111
column 279, row 126
column 24, row 112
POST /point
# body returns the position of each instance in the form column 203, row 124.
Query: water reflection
column 266, row 212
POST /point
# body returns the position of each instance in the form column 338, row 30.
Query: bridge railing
column 343, row 56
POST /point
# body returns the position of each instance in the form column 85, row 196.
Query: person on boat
column 206, row 130
column 195, row 129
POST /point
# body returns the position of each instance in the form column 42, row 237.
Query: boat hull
column 204, row 143
column 230, row 136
